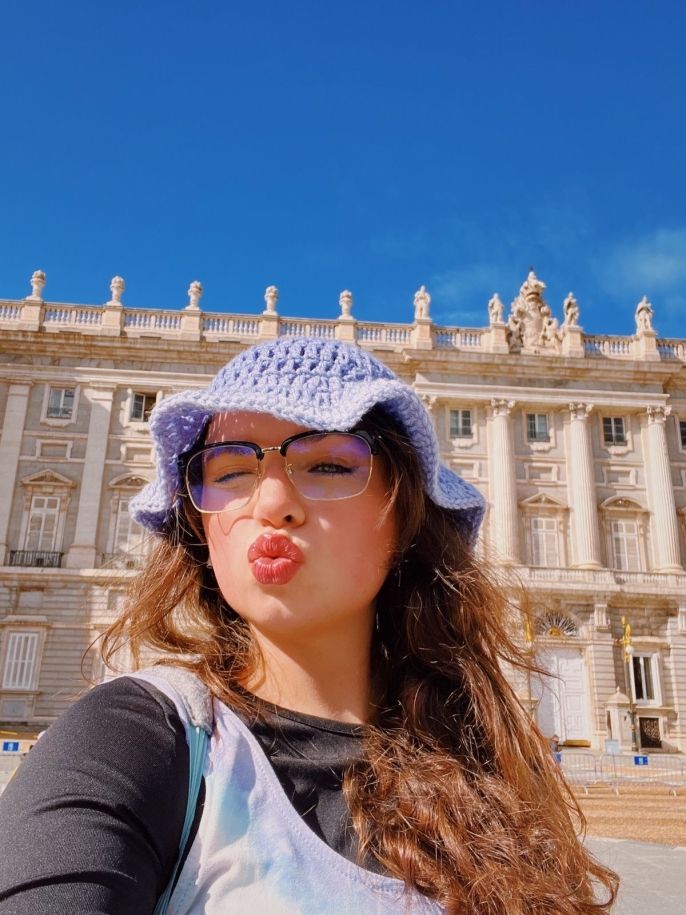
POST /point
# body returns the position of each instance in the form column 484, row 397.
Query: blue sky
column 369, row 145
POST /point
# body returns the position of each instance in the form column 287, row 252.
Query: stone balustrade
column 113, row 318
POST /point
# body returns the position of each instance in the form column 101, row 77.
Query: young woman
column 314, row 573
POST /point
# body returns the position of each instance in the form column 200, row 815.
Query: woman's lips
column 274, row 559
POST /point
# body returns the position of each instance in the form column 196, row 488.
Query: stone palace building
column 578, row 443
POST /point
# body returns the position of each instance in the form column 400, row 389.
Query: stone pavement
column 653, row 877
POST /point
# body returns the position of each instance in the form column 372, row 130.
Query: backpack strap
column 197, row 704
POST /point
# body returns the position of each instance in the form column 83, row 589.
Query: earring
column 209, row 564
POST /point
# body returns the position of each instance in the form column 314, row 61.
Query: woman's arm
column 92, row 819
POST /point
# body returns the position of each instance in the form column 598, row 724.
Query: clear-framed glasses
column 323, row 467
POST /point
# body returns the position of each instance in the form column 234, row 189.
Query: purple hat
column 316, row 383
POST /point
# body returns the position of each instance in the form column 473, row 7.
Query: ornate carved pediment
column 542, row 500
column 47, row 477
column 128, row 481
column 531, row 327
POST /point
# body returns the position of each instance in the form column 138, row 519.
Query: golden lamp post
column 628, row 649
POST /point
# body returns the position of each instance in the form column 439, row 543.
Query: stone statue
column 195, row 291
column 345, row 300
column 271, row 297
column 531, row 326
column 549, row 337
column 422, row 301
column 117, row 287
column 37, row 284
column 644, row 316
column 495, row 310
column 571, row 311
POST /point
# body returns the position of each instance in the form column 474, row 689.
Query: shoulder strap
column 197, row 700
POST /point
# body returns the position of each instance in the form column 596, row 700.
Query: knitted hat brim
column 178, row 422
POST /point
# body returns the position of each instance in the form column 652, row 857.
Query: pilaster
column 502, row 482
column 82, row 553
column 10, row 448
column 582, row 497
column 664, row 523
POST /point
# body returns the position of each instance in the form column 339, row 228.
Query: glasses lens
column 222, row 477
column 330, row 466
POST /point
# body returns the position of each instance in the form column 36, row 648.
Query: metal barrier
column 584, row 770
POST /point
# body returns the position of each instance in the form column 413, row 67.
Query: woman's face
column 292, row 567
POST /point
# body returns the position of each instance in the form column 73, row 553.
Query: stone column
column 581, row 488
column 82, row 553
column 502, row 482
column 10, row 448
column 664, row 523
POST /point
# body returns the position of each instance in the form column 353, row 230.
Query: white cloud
column 653, row 265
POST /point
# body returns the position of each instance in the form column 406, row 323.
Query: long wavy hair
column 457, row 793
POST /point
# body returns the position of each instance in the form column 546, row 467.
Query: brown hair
column 457, row 793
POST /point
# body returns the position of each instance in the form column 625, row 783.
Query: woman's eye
column 331, row 468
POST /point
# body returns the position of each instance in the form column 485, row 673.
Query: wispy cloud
column 653, row 264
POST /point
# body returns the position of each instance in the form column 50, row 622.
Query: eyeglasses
column 323, row 467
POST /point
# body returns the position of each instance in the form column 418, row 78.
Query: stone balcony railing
column 193, row 324
column 602, row 580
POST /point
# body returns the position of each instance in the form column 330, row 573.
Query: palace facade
column 578, row 443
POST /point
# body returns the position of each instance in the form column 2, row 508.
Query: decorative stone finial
column 194, row 294
column 345, row 300
column 37, row 286
column 271, row 297
column 495, row 310
column 422, row 301
column 644, row 317
column 117, row 287
column 570, row 308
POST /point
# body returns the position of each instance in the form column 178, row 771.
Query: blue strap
column 197, row 748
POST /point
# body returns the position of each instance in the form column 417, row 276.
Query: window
column 544, row 542
column 60, row 403
column 20, row 660
column 41, row 531
column 613, row 430
column 682, row 432
column 625, row 547
column 128, row 535
column 644, row 678
column 141, row 407
column 537, row 427
column 460, row 424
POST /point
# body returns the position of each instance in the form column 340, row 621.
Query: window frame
column 653, row 659
column 533, row 433
column 554, row 530
column 58, row 421
column 461, row 414
column 27, row 682
column 613, row 541
column 614, row 443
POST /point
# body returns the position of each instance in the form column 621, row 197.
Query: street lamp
column 628, row 652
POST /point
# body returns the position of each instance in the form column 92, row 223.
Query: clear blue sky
column 371, row 145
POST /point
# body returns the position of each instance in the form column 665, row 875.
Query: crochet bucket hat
column 316, row 383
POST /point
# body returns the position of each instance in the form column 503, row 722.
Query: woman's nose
column 277, row 501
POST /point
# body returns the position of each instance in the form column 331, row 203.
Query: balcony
column 37, row 558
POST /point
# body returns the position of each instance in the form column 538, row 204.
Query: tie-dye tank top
column 254, row 855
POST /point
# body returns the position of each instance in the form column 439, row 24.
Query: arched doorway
column 562, row 701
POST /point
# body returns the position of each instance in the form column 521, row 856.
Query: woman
column 315, row 572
